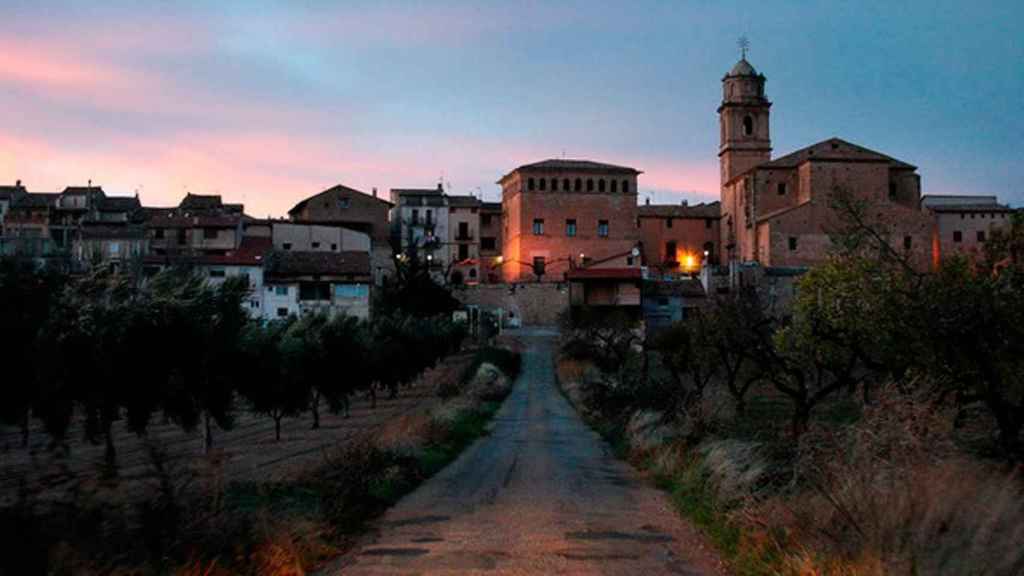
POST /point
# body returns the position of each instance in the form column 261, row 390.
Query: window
column 415, row 216
column 668, row 223
column 981, row 235
column 958, row 236
column 782, row 188
column 210, row 233
column 286, row 246
column 554, row 184
column 792, row 242
column 625, row 186
column 565, row 184
column 600, row 185
column 281, row 290
column 602, row 228
column 615, row 186
column 115, row 248
column 908, row 242
column 463, row 252
column 892, row 190
column 487, row 244
column 629, row 260
column 245, row 277
column 314, row 291
column 159, row 233
column 529, row 184
column 463, row 231
column 670, row 251
column 430, row 217
column 344, row 203
column 316, row 245
column 254, row 303
column 538, row 226
column 570, row 227
column 472, row 272
column 182, row 236
column 543, row 183
column 579, row 185
column 485, row 219
column 590, row 184
column 351, row 291
column 748, row 125
column 334, row 247
column 217, row 273
column 707, row 223
column 282, row 312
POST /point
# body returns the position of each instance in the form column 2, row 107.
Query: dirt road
column 542, row 494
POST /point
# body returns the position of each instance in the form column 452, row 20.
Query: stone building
column 963, row 223
column 677, row 239
column 347, row 207
column 563, row 214
column 490, row 242
column 464, row 238
column 781, row 212
column 419, row 222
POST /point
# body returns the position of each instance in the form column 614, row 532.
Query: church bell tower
column 745, row 140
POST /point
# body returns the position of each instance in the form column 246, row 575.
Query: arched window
column 590, row 184
column 565, row 185
column 748, row 125
column 543, row 182
column 554, row 184
column 615, row 186
column 600, row 185
column 579, row 185
column 625, row 186
column 529, row 184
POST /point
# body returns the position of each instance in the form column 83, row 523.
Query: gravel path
column 542, row 494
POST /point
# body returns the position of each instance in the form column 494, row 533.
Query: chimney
column 17, row 184
column 374, row 191
column 648, row 202
column 90, row 183
column 685, row 203
column 440, row 188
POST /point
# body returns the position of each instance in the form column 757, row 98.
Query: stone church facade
column 782, row 212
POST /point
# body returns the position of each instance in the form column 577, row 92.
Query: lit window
column 281, row 290
column 355, row 291
column 538, row 226
column 602, row 228
column 570, row 227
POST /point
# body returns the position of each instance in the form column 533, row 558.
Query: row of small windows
column 577, row 185
column 958, row 236
column 668, row 223
column 570, row 227
column 983, row 215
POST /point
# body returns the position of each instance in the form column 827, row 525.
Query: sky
column 268, row 103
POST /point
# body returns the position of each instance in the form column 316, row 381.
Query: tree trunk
column 207, row 434
column 316, row 410
column 24, row 429
column 110, row 454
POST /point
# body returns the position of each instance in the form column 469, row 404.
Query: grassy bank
column 875, row 489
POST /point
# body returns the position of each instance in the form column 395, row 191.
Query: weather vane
column 744, row 45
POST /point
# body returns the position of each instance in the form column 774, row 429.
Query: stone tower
column 743, row 119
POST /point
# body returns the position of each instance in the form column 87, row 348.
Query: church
column 781, row 212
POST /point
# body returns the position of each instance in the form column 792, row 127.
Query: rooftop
column 702, row 210
column 833, row 149
column 571, row 165
column 281, row 264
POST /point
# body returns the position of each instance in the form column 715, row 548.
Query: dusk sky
column 269, row 103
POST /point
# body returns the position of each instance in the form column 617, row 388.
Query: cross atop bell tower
column 745, row 140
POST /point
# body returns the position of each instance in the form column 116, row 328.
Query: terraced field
column 247, row 452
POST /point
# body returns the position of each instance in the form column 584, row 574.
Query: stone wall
column 532, row 304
